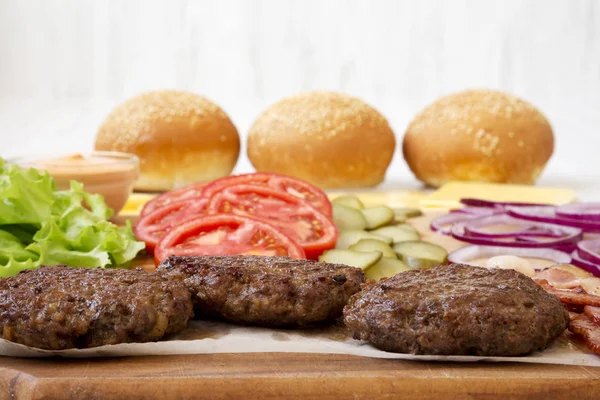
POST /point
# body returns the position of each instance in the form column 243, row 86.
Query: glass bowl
column 108, row 173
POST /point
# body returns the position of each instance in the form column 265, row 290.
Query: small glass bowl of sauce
column 108, row 173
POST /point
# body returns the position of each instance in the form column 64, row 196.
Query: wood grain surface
column 290, row 375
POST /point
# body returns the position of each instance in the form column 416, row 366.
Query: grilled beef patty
column 457, row 310
column 62, row 307
column 266, row 291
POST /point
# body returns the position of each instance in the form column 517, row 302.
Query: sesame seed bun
column 478, row 135
column 179, row 137
column 329, row 139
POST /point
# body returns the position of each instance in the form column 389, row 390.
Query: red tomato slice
column 303, row 223
column 152, row 227
column 182, row 193
column 292, row 186
column 226, row 235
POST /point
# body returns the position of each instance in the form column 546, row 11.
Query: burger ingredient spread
column 40, row 225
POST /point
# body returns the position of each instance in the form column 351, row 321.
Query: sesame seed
column 135, row 120
column 473, row 106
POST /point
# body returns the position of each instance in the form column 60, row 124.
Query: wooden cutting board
column 290, row 375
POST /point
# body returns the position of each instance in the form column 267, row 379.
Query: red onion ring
column 548, row 215
column 438, row 224
column 462, row 214
column 468, row 253
column 460, row 231
column 477, row 211
column 567, row 247
column 589, row 266
column 528, row 231
column 583, row 211
column 589, row 250
column 497, row 204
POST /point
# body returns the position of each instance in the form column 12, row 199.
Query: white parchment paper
column 218, row 337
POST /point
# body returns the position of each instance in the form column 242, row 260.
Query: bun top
column 315, row 112
column 330, row 139
column 166, row 117
column 179, row 137
column 478, row 135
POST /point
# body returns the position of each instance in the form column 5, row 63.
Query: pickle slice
column 405, row 213
column 420, row 254
column 349, row 201
column 398, row 233
column 378, row 216
column 352, row 258
column 348, row 238
column 368, row 245
column 346, row 218
column 386, row 268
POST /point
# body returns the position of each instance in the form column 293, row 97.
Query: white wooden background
column 65, row 63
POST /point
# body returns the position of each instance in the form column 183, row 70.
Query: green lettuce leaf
column 52, row 227
column 26, row 196
column 13, row 255
column 22, row 232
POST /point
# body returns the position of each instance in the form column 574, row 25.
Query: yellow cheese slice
column 135, row 203
column 449, row 195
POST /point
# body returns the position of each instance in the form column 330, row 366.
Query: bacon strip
column 570, row 297
column 593, row 313
column 573, row 296
column 588, row 330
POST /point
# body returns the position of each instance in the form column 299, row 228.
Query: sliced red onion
column 589, row 250
column 469, row 253
column 477, row 211
column 580, row 211
column 527, row 231
column 589, row 266
column 548, row 215
column 567, row 247
column 562, row 235
column 440, row 224
column 496, row 204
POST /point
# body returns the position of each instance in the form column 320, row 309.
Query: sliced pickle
column 398, row 233
column 408, row 228
column 349, row 201
column 348, row 238
column 399, row 219
column 352, row 258
column 368, row 245
column 386, row 268
column 378, row 216
column 346, row 218
column 405, row 213
column 420, row 254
